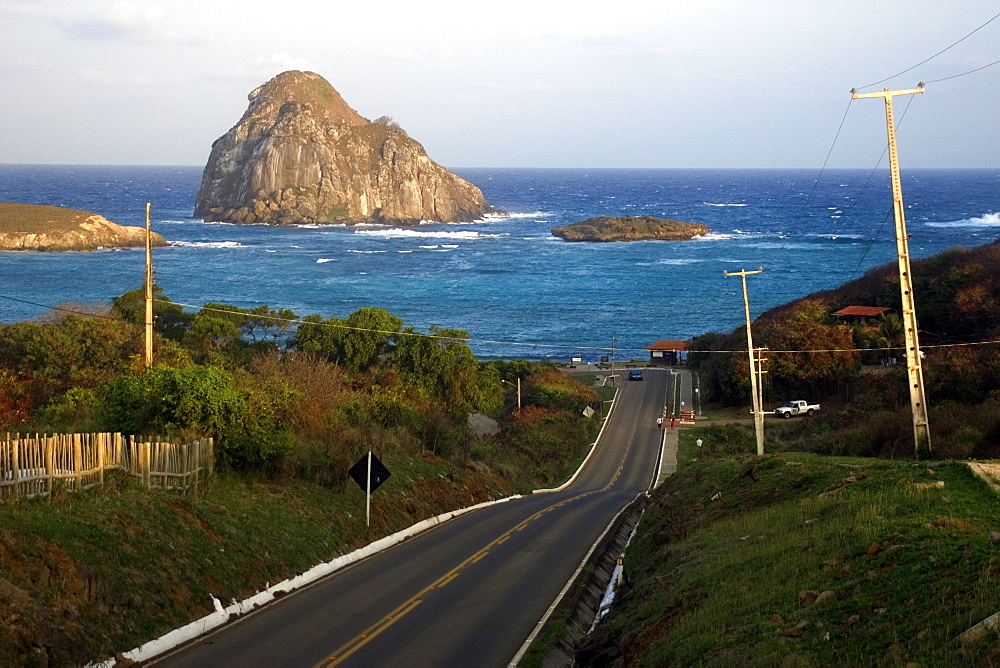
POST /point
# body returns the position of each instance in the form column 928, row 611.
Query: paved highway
column 466, row 593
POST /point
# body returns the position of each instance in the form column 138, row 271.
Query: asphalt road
column 466, row 593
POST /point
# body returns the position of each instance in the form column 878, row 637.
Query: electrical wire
column 507, row 343
column 935, row 56
column 864, row 187
column 955, row 76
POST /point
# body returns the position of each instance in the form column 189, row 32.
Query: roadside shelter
column 860, row 315
column 667, row 352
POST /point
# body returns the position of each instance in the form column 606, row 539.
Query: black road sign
column 360, row 472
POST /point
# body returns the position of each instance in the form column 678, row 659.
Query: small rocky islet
column 629, row 228
column 38, row 227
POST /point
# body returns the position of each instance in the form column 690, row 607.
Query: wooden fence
column 35, row 465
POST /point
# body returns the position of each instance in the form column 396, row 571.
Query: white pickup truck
column 797, row 407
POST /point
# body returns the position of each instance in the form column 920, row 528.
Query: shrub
column 200, row 399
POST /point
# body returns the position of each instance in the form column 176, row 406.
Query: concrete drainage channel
column 581, row 604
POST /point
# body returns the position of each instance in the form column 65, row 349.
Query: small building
column 860, row 315
column 666, row 352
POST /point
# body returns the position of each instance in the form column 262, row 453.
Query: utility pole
column 613, row 360
column 914, row 370
column 149, row 294
column 758, row 416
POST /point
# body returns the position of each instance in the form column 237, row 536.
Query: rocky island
column 32, row 227
column 301, row 155
column 629, row 228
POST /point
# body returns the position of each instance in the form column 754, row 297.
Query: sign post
column 369, row 473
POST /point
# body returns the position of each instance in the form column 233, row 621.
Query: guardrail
column 36, row 465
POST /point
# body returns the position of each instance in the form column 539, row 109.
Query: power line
column 936, row 55
column 955, row 76
column 741, row 351
column 864, row 187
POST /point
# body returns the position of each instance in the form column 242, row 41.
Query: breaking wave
column 987, row 220
column 397, row 233
column 207, row 244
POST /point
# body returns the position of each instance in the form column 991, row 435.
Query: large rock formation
column 300, row 154
column 31, row 227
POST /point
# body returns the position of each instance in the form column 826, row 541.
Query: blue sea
column 516, row 289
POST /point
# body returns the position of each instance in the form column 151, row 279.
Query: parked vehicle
column 796, row 407
column 635, row 374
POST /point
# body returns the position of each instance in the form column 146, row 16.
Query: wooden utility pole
column 758, row 415
column 149, row 294
column 613, row 360
column 914, row 370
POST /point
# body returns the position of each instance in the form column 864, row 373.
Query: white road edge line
column 224, row 614
column 548, row 613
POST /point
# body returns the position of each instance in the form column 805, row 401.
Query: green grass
column 38, row 219
column 718, row 581
column 152, row 560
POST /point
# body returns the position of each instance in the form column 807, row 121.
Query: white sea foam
column 325, row 259
column 207, row 244
column 366, row 252
column 711, row 236
column 449, row 245
column 818, row 235
column 669, row 261
column 429, row 247
column 404, row 251
column 986, row 220
column 398, row 233
column 722, row 204
column 521, row 214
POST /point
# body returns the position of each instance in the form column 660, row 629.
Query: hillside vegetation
column 957, row 297
column 291, row 407
column 797, row 560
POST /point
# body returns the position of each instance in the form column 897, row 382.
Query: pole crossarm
column 886, row 93
column 914, row 369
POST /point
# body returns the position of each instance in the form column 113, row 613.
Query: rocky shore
column 33, row 227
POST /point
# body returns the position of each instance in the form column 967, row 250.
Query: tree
column 357, row 342
column 200, row 399
column 169, row 319
column 444, row 367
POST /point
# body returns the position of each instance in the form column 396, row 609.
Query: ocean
column 516, row 289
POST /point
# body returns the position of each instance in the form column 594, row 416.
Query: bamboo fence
column 36, row 465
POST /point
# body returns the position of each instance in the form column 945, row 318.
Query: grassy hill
column 39, row 219
column 798, row 560
column 30, row 227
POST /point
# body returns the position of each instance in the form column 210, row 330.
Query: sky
column 542, row 83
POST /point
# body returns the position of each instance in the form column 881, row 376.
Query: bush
column 203, row 400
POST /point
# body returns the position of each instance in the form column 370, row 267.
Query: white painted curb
column 593, row 449
column 189, row 632
column 199, row 627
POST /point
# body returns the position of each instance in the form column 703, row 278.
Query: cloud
column 121, row 21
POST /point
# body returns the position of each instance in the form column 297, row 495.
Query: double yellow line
column 381, row 625
column 373, row 631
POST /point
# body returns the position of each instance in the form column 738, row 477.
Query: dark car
column 635, row 374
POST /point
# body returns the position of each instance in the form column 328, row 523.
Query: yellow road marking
column 378, row 627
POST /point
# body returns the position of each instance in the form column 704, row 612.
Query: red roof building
column 860, row 314
column 667, row 352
